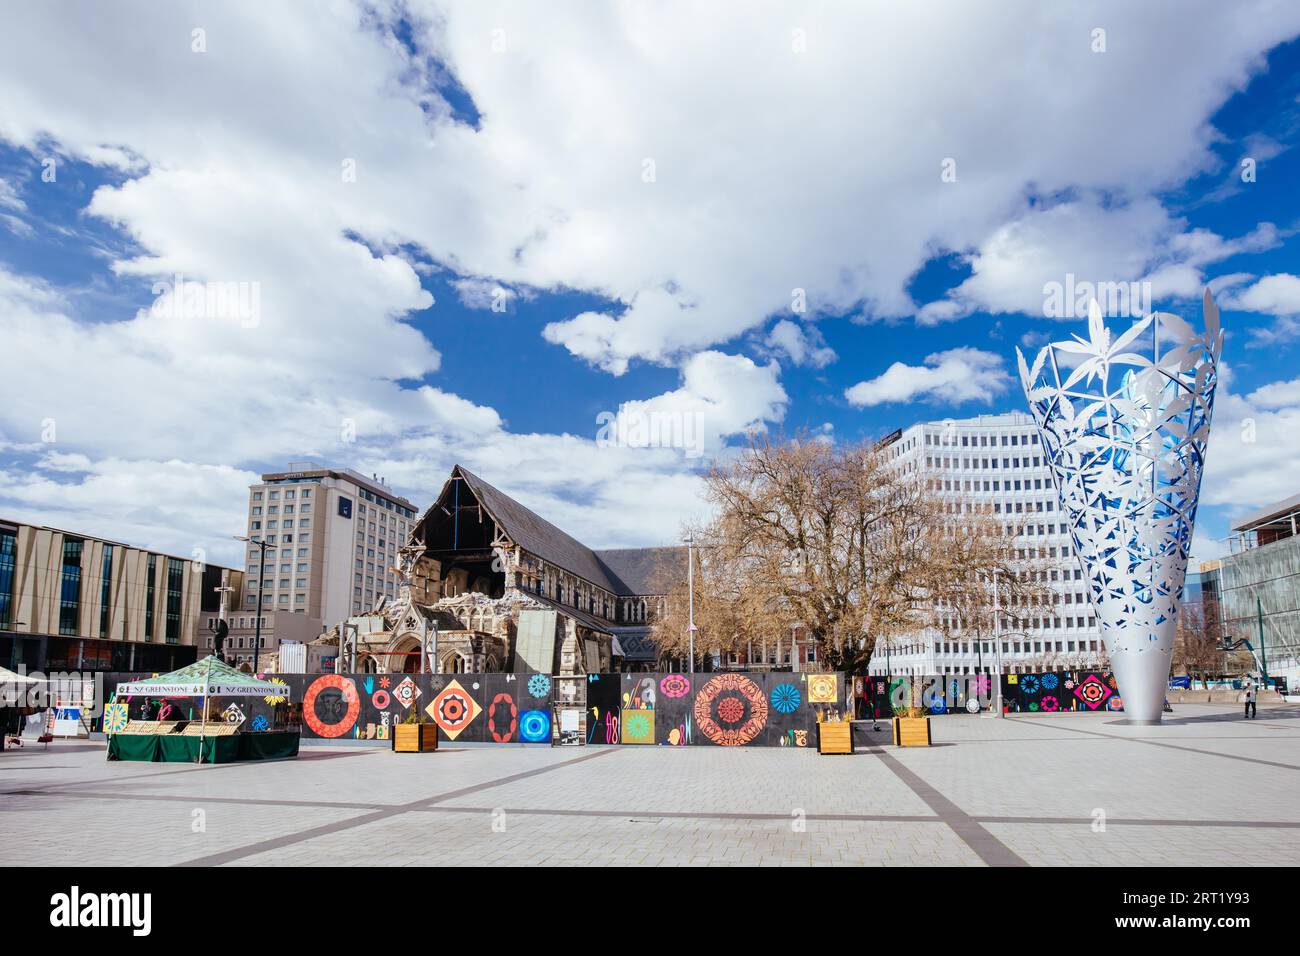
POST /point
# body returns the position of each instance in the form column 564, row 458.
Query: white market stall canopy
column 206, row 678
column 9, row 677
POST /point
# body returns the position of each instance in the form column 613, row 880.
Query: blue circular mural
column 535, row 726
column 785, row 698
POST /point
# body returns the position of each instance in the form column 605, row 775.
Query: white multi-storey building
column 331, row 540
column 995, row 463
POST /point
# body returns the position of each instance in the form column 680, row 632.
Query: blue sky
column 508, row 150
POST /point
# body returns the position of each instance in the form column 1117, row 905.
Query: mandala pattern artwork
column 785, row 698
column 1125, row 436
column 821, row 688
column 639, row 727
column 503, row 718
column 539, row 685
column 115, row 717
column 406, row 692
column 535, row 726
column 453, row 709
column 675, row 686
column 331, row 714
column 1092, row 692
column 730, row 710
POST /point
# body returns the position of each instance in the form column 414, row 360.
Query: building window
column 104, row 590
column 150, row 574
column 70, row 586
column 175, row 584
column 8, row 561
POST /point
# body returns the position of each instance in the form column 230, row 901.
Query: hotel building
column 995, row 462
column 331, row 539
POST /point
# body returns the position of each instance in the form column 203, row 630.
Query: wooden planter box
column 415, row 738
column 911, row 731
column 834, row 737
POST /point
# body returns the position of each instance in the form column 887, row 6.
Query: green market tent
column 206, row 678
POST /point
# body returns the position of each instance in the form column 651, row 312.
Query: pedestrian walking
column 1250, row 701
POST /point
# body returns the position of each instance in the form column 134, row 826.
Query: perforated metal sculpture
column 1124, row 422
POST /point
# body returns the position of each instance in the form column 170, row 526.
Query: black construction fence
column 1047, row 692
column 730, row 709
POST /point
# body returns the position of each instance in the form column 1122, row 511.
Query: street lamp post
column 690, row 601
column 261, row 580
column 997, row 649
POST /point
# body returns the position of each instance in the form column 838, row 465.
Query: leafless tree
column 843, row 541
column 1196, row 645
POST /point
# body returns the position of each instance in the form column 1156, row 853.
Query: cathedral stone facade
column 488, row 585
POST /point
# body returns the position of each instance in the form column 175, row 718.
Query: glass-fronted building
column 72, row 601
column 1257, row 586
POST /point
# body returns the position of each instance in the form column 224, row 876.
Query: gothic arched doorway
column 453, row 662
column 405, row 657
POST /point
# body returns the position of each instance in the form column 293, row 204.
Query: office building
column 995, row 463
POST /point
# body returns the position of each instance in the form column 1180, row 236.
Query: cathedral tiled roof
column 622, row 571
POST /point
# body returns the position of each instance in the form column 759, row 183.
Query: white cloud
column 1276, row 395
column 720, row 395
column 754, row 194
column 1092, row 241
column 1251, row 461
column 11, row 204
column 802, row 345
column 678, row 254
column 956, row 375
column 9, row 198
column 478, row 293
column 1275, row 294
column 179, row 508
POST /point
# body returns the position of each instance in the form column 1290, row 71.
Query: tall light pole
column 261, row 579
column 997, row 649
column 690, row 599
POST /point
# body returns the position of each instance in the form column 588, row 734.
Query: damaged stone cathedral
column 488, row 585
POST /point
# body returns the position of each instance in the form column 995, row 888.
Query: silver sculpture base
column 1140, row 658
column 1134, row 723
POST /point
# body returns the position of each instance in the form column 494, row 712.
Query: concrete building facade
column 995, row 462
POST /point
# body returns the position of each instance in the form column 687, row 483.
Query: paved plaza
column 1208, row 789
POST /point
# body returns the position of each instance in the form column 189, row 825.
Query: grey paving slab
column 1205, row 789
